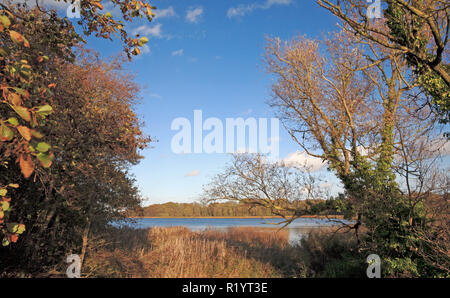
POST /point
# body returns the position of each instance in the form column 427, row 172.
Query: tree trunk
column 85, row 242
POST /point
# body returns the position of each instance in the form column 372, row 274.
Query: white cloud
column 179, row 52
column 154, row 31
column 303, row 159
column 113, row 9
column 145, row 49
column 193, row 14
column 164, row 13
column 242, row 9
column 192, row 173
column 155, row 95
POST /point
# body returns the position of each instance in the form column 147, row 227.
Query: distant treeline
column 227, row 209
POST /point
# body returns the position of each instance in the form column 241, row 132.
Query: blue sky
column 207, row 55
column 212, row 62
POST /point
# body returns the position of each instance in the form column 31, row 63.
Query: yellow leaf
column 22, row 112
column 16, row 36
column 5, row 21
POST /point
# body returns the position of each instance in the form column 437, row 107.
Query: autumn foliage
column 68, row 133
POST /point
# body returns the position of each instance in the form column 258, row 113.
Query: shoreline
column 232, row 217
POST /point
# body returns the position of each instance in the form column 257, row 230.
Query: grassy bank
column 236, row 252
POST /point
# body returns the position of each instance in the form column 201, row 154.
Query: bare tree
column 288, row 191
column 341, row 101
column 322, row 101
column 426, row 185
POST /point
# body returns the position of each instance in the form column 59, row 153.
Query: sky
column 208, row 55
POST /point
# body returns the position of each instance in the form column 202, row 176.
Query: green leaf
column 42, row 147
column 5, row 205
column 3, row 192
column 45, row 159
column 6, row 134
column 13, row 121
column 5, row 242
column 44, row 110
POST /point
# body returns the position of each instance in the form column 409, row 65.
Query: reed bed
column 178, row 252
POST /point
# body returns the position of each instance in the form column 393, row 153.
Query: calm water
column 297, row 229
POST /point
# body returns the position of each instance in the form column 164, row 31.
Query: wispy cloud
column 304, row 160
column 165, row 13
column 192, row 173
column 146, row 30
column 243, row 9
column 145, row 49
column 179, row 52
column 155, row 95
column 193, row 15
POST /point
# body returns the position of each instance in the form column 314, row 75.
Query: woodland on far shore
column 196, row 209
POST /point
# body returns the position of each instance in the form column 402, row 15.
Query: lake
column 297, row 229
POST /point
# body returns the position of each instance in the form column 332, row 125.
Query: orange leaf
column 22, row 112
column 36, row 134
column 97, row 4
column 16, row 36
column 25, row 132
column 13, row 238
column 15, row 99
column 26, row 165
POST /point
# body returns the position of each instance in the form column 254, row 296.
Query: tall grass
column 234, row 252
